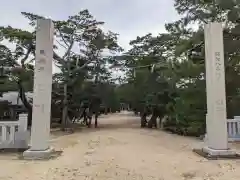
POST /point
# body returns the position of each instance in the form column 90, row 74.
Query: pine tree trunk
column 25, row 102
column 65, row 109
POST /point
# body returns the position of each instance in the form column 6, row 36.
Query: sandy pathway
column 120, row 150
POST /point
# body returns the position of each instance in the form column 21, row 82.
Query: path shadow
column 108, row 124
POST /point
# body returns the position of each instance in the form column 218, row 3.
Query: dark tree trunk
column 153, row 121
column 143, row 120
column 143, row 115
column 25, row 102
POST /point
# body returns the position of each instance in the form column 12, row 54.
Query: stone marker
column 39, row 147
column 216, row 142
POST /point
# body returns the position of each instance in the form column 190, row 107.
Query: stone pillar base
column 214, row 154
column 219, row 153
column 38, row 155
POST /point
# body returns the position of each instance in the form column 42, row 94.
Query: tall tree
column 79, row 43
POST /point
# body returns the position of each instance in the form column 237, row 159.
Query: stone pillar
column 42, row 92
column 216, row 119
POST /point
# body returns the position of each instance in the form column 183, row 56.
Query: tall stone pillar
column 216, row 143
column 42, row 92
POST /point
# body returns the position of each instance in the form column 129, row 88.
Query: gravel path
column 120, row 150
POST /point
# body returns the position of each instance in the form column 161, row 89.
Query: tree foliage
column 165, row 74
column 180, row 69
column 79, row 42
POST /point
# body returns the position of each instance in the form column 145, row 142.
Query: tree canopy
column 179, row 68
column 164, row 73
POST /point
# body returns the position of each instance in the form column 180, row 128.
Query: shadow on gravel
column 132, row 123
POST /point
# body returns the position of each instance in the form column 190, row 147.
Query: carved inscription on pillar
column 219, row 103
column 218, row 65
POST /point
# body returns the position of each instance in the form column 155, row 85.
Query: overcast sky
column 129, row 18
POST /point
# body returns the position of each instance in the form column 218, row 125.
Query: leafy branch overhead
column 179, row 68
column 79, row 43
column 80, row 32
column 164, row 74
